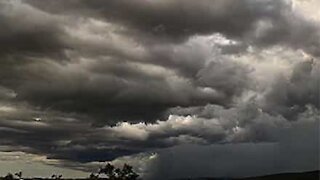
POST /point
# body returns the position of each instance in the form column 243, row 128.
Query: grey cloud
column 149, row 16
column 228, row 77
column 57, row 141
column 162, row 83
column 114, row 78
column 59, row 137
column 289, row 97
column 263, row 23
column 243, row 124
column 203, row 17
column 29, row 31
column 6, row 93
column 57, row 87
column 44, row 87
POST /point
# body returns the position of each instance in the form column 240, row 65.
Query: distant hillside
column 314, row 175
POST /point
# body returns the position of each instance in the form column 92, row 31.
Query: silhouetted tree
column 118, row 172
column 93, row 176
column 56, row 176
column 128, row 173
column 112, row 173
column 108, row 170
column 9, row 176
column 18, row 174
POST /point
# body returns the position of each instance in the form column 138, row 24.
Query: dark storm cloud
column 63, row 87
column 76, row 86
column 51, row 85
column 259, row 22
column 176, row 19
column 96, row 80
column 29, row 69
column 58, row 140
column 28, row 31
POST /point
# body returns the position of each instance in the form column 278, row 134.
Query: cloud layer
column 87, row 81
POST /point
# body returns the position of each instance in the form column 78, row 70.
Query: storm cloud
column 92, row 81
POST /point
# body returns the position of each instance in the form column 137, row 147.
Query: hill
column 314, row 175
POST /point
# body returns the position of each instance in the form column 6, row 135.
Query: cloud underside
column 87, row 81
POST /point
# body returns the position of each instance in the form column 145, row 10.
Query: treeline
column 107, row 172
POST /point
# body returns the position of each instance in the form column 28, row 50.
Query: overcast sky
column 176, row 88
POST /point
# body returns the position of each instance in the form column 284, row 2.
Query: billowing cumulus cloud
column 83, row 82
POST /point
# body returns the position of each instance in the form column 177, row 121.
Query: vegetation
column 112, row 173
column 108, row 172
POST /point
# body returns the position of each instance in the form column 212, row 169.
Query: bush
column 9, row 176
column 112, row 173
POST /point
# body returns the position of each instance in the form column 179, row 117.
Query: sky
column 176, row 88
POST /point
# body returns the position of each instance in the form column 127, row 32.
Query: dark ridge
column 312, row 175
